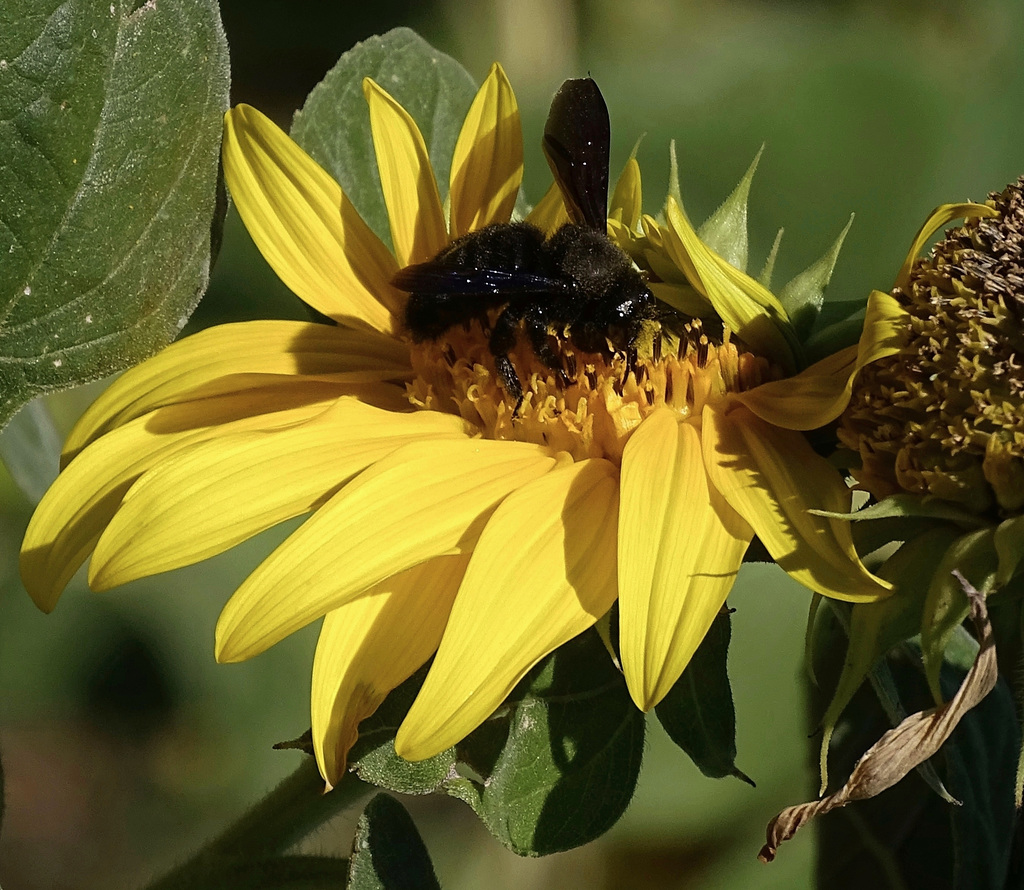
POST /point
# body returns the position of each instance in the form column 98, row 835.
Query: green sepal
column 910, row 506
column 839, row 325
column 765, row 278
column 334, row 124
column 804, row 295
column 875, row 628
column 725, row 231
column 1009, row 545
column 110, row 200
column 698, row 712
column 388, row 852
column 945, row 608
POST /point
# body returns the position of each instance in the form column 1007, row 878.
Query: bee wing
column 438, row 278
column 577, row 140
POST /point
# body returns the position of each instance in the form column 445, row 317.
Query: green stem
column 285, row 816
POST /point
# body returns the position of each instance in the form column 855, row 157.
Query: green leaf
column 388, row 853
column 552, row 769
column 979, row 756
column 110, row 127
column 334, row 124
column 565, row 763
column 698, row 713
column 725, row 231
column 30, row 448
column 804, row 295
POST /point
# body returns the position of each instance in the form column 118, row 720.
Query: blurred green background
column 124, row 745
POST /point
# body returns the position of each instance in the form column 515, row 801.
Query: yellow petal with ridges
column 542, row 572
column 680, row 547
column 550, row 214
column 487, row 167
column 232, row 357
column 425, row 500
column 773, row 479
column 748, row 308
column 77, row 507
column 821, row 392
column 418, row 230
column 627, row 199
column 305, row 227
column 215, row 495
column 941, row 215
column 369, row 646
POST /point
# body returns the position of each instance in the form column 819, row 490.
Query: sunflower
column 446, row 520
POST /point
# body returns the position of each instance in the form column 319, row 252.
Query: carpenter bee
column 576, row 284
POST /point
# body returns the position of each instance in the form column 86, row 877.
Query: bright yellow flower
column 442, row 520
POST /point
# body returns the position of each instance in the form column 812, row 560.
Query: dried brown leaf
column 904, row 747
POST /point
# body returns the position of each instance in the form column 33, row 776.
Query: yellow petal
column 77, row 507
column 369, row 646
column 215, row 495
column 233, row 357
column 305, row 227
column 821, row 392
column 487, row 168
column 680, row 547
column 627, row 198
column 747, row 307
column 941, row 215
column 773, row 478
column 424, row 500
column 550, row 214
column 410, row 192
column 542, row 572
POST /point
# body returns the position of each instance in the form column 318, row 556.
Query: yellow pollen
column 589, row 408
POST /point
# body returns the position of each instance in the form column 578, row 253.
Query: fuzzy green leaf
column 388, row 853
column 373, row 756
column 558, row 766
column 110, row 127
column 552, row 769
column 334, row 124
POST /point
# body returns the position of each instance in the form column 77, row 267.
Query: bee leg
column 536, row 324
column 501, row 343
column 509, row 380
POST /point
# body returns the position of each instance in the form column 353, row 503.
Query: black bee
column 576, row 284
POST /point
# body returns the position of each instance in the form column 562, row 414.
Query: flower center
column 945, row 416
column 591, row 405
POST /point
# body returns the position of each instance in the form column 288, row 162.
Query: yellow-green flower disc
column 944, row 416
